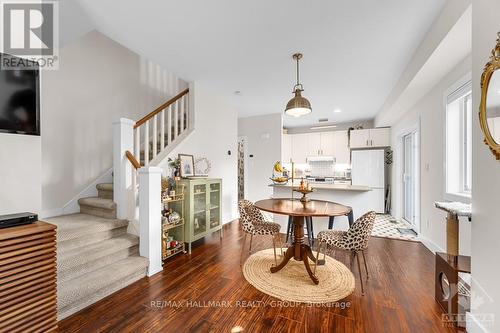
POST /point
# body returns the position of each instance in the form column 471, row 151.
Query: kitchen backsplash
column 322, row 168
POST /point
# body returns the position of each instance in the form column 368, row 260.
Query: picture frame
column 187, row 165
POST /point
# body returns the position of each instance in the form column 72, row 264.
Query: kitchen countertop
column 335, row 187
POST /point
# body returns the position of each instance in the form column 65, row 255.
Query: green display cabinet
column 203, row 215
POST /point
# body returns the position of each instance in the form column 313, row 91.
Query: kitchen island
column 361, row 198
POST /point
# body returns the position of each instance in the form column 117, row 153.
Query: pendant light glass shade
column 298, row 106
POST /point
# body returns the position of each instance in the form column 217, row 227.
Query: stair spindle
column 181, row 110
column 176, row 119
column 186, row 110
column 137, row 145
column 146, row 143
column 162, row 129
column 169, row 125
column 155, row 135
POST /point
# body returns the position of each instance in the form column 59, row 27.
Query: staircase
column 95, row 254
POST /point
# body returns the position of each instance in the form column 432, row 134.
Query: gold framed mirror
column 489, row 110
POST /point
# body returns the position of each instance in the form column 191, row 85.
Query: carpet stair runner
column 95, row 255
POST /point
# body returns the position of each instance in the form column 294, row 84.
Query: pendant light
column 298, row 106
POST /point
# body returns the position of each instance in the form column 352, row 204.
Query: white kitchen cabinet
column 327, row 146
column 314, row 144
column 341, row 150
column 370, row 138
column 360, row 138
column 320, row 144
column 286, row 148
column 300, row 147
column 380, row 137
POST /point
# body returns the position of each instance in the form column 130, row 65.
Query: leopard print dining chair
column 253, row 223
column 355, row 240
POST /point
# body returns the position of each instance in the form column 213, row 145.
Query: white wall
column 20, row 168
column 429, row 111
column 486, row 182
column 263, row 135
column 98, row 82
column 215, row 133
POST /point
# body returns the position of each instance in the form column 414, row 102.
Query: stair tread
column 81, row 255
column 77, row 225
column 86, row 285
column 98, row 203
column 105, row 186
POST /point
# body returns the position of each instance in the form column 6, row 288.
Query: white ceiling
column 354, row 51
column 448, row 44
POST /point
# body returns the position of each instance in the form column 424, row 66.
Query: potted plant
column 175, row 165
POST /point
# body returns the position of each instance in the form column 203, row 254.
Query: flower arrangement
column 175, row 166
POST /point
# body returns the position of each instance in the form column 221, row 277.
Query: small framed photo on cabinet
column 187, row 165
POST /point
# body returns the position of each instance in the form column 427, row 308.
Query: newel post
column 123, row 140
column 150, row 217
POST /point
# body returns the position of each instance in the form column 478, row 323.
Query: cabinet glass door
column 214, row 209
column 199, row 209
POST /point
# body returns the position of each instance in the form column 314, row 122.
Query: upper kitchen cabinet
column 314, row 144
column 320, row 144
column 370, row 138
column 300, row 147
column 380, row 137
column 327, row 143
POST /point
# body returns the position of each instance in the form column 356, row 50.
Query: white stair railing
column 141, row 145
column 172, row 120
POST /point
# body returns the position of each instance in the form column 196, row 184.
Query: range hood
column 321, row 159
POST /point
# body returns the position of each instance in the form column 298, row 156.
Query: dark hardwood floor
column 398, row 298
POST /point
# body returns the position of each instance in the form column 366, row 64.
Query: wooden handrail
column 161, row 107
column 132, row 159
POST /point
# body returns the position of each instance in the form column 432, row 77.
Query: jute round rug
column 293, row 284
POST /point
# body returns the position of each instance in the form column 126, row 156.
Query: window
column 459, row 141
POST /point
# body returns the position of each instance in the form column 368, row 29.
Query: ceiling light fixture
column 298, row 106
column 323, row 127
column 337, row 110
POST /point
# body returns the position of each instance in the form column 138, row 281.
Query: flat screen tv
column 19, row 98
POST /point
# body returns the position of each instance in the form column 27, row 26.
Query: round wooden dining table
column 299, row 211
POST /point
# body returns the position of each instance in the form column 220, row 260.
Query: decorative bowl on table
column 304, row 192
column 279, row 180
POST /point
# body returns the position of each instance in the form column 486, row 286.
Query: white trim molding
column 432, row 246
column 473, row 325
column 72, row 206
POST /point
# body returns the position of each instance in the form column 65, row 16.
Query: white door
column 314, row 144
column 410, row 178
column 300, row 149
column 327, row 143
column 380, row 137
column 360, row 138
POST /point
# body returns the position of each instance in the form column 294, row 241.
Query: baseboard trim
column 72, row 207
column 433, row 247
column 473, row 325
